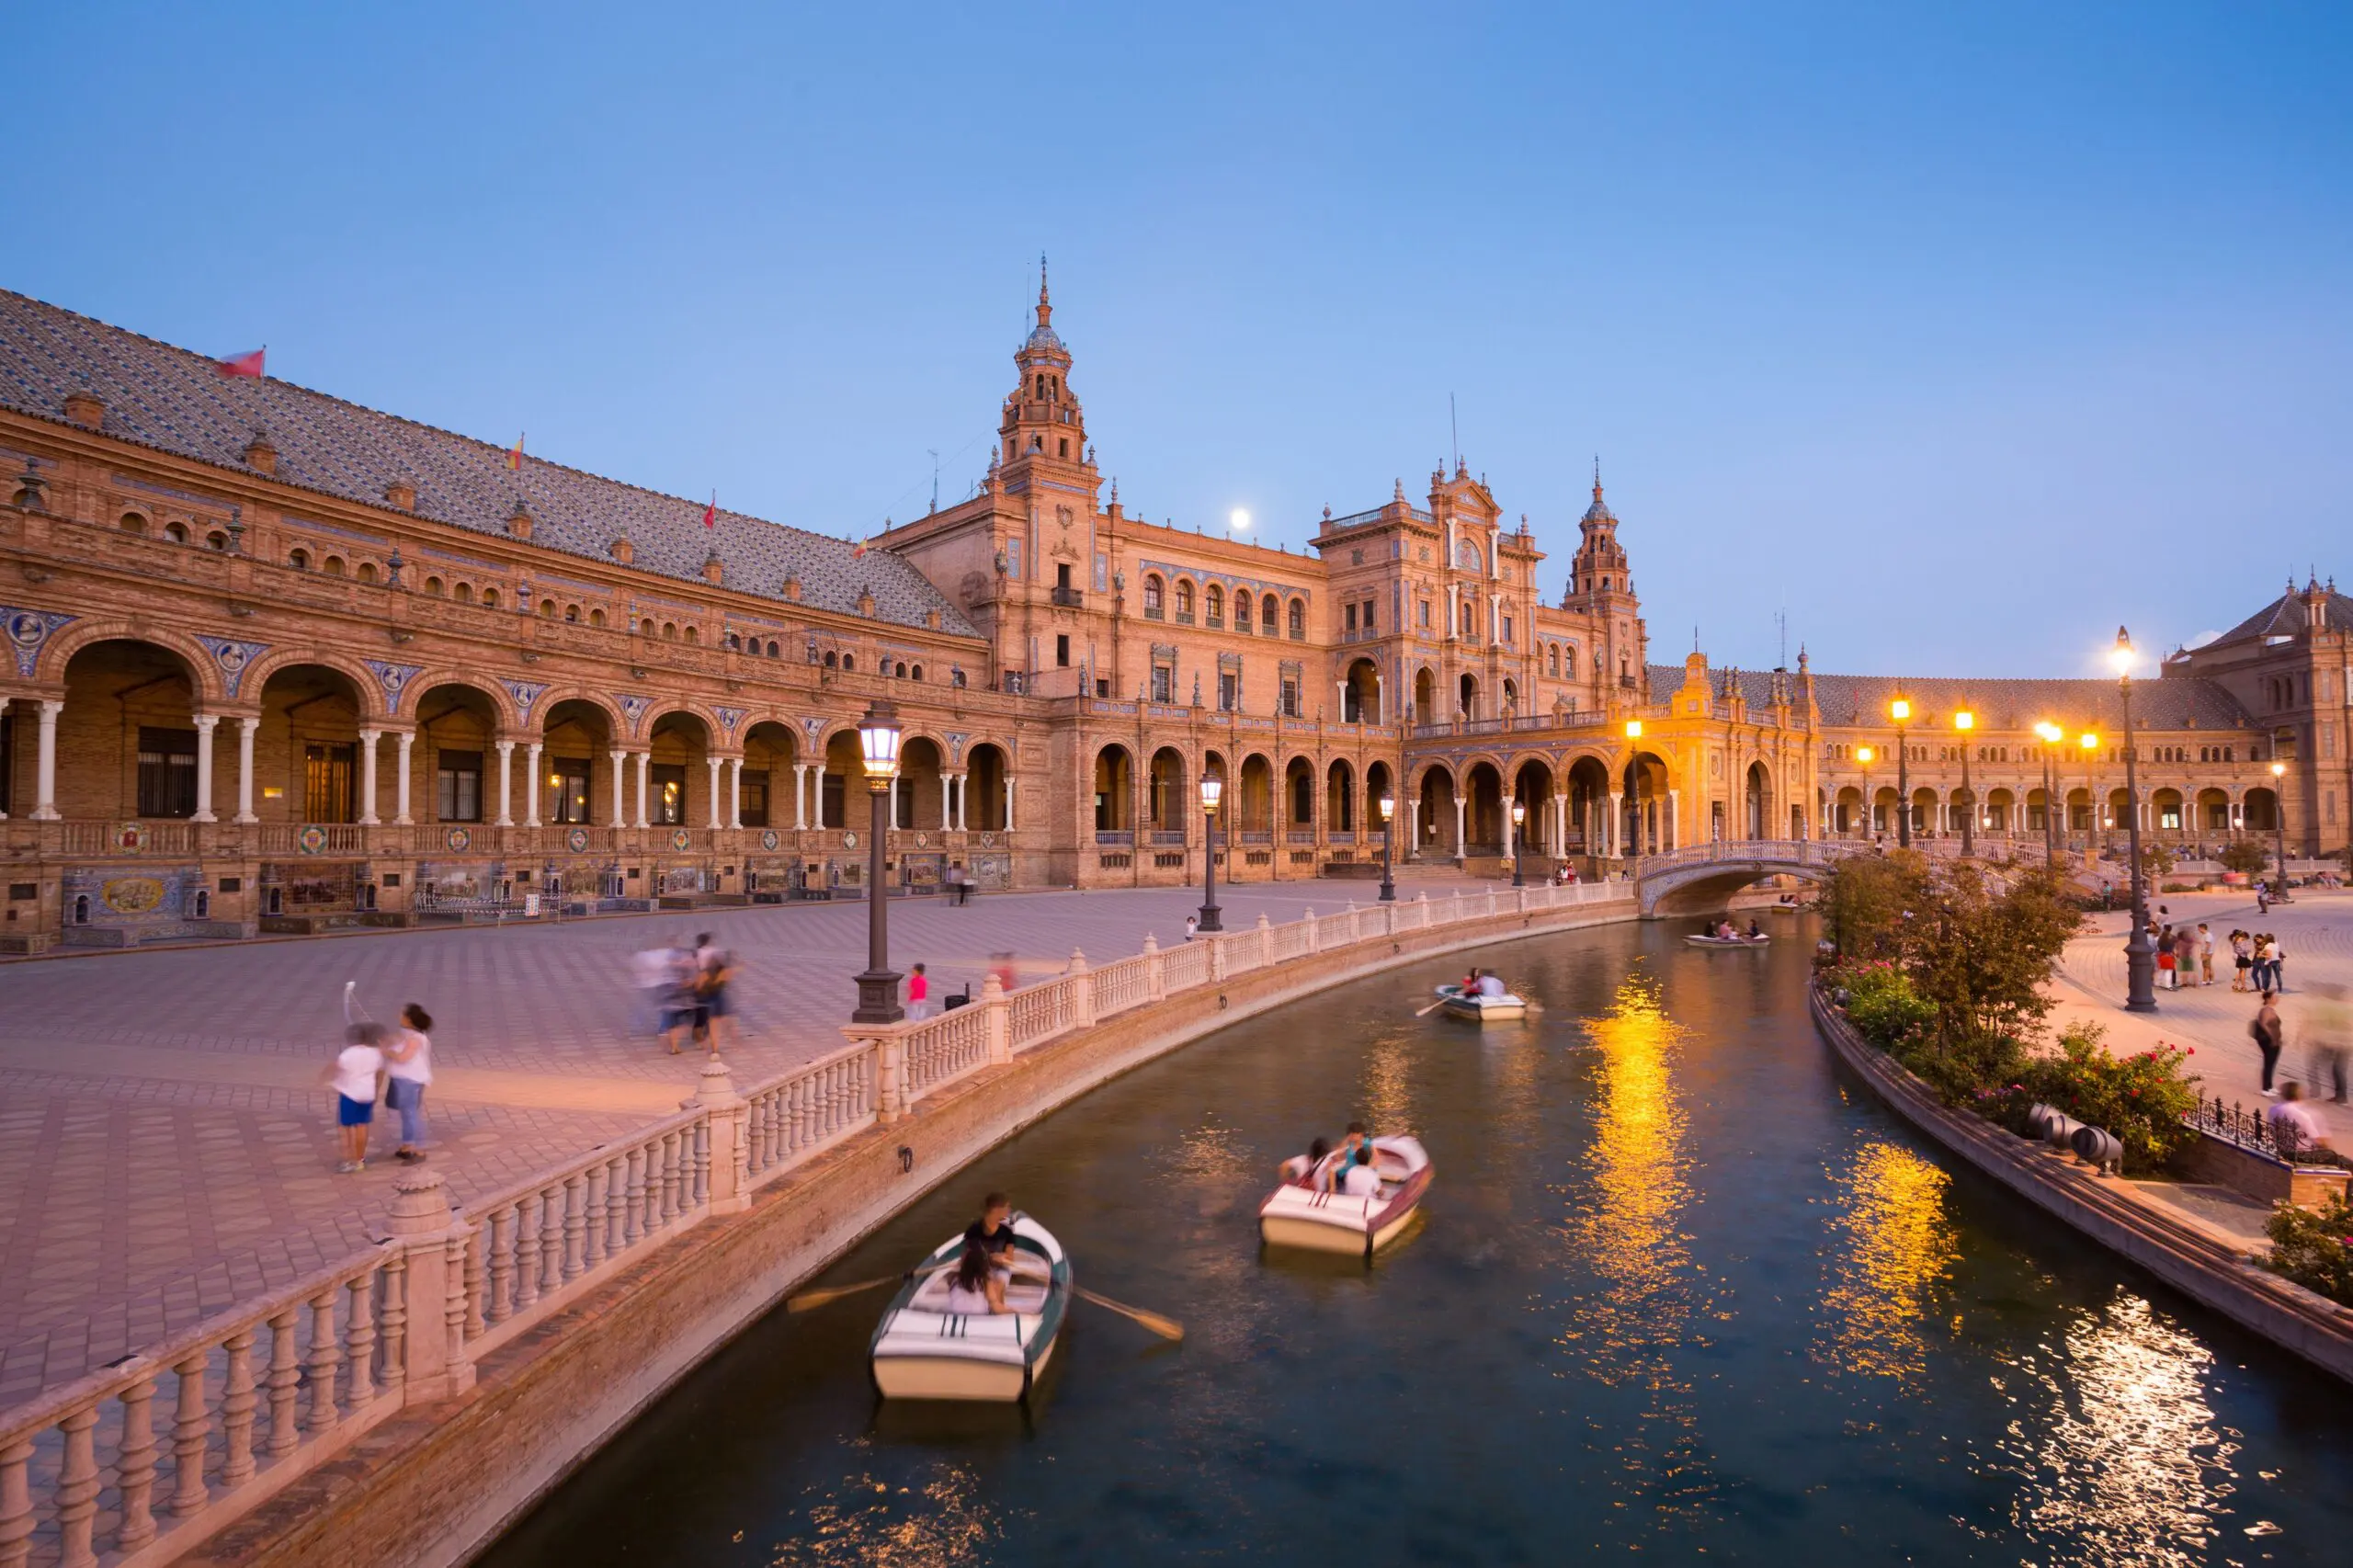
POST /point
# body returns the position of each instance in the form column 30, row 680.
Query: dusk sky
column 1961, row 340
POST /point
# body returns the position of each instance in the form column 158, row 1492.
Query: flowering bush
column 2141, row 1098
column 1880, row 999
column 2314, row 1247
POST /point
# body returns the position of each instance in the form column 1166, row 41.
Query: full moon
column 1239, row 520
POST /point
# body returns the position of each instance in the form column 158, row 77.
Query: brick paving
column 166, row 1146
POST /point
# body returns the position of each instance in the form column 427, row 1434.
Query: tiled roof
column 174, row 400
column 2287, row 617
column 2172, row 703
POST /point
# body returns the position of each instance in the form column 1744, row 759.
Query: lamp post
column 1965, row 721
column 2140, row 954
column 1387, row 809
column 1212, row 791
column 1633, row 734
column 2050, row 735
column 1518, row 844
column 1901, row 711
column 2280, row 821
column 2088, row 743
column 1863, row 754
column 877, row 988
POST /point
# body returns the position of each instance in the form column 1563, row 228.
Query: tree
column 2244, row 856
column 1865, row 899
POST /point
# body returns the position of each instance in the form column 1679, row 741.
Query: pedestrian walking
column 2260, row 975
column 353, row 1075
column 2262, row 898
column 2278, row 956
column 1193, row 926
column 919, row 993
column 715, row 1007
column 2167, row 960
column 2296, row 1128
column 653, row 976
column 2185, row 956
column 408, row 1068
column 2326, row 1027
column 678, row 1009
column 2265, row 1030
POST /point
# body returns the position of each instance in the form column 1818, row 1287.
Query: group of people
column 682, row 992
column 1725, row 931
column 1482, row 983
column 1350, row 1173
column 2325, row 1030
column 2262, row 967
column 2185, row 953
column 381, row 1063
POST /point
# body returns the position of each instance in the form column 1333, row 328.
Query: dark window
column 1367, row 615
column 669, row 795
column 567, row 790
column 1349, row 618
column 327, row 780
column 458, row 786
column 233, row 884
column 166, row 772
column 830, row 788
column 752, row 800
column 1162, row 680
column 1062, row 647
column 1229, row 690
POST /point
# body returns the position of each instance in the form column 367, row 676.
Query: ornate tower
column 1601, row 586
column 1043, row 424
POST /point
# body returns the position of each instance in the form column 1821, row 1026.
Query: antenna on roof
column 1781, row 620
column 1453, row 431
column 934, row 477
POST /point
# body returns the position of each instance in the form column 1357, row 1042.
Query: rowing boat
column 1761, row 939
column 1301, row 1216
column 921, row 1350
column 1455, row 1002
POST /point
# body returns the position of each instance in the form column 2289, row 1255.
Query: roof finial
column 1597, row 476
column 1045, row 309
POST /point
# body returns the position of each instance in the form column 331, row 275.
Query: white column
column 716, row 820
column 1379, row 700
column 505, row 783
column 1461, row 843
column 1617, row 823
column 246, row 729
column 1008, row 802
column 1673, row 812
column 1560, row 825
column 946, row 802
column 620, row 787
column 1511, row 833
column 368, row 739
column 532, row 784
column 645, row 788
column 400, row 791
column 204, row 723
column 734, row 791
column 45, row 770
column 800, row 794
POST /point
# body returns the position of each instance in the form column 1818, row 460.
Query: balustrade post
column 1264, row 935
column 190, row 1427
column 1216, row 966
column 16, row 1503
column 434, row 1275
column 996, row 1019
column 890, row 1070
column 1155, row 976
column 724, row 1108
column 1308, row 920
column 1081, row 991
column 77, row 1489
column 135, row 1466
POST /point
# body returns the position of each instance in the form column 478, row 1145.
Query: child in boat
column 1360, row 1179
column 992, row 1233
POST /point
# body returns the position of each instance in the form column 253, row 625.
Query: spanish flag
column 514, row 458
column 858, row 550
column 247, row 365
column 710, row 513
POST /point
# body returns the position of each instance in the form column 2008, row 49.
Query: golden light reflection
column 1628, row 1236
column 2125, row 1464
column 1388, row 1090
column 938, row 1521
column 1899, row 1246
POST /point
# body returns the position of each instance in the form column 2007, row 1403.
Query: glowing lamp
column 2122, row 654
column 1633, row 729
column 1212, row 791
column 1863, row 754
column 878, row 740
column 1900, row 709
column 1388, row 807
column 1964, row 719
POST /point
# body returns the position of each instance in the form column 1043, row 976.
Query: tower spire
column 1045, row 306
column 1597, row 476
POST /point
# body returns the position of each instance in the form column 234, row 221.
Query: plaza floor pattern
column 166, row 1149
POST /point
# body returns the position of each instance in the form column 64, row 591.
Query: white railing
column 1787, row 851
column 135, row 1463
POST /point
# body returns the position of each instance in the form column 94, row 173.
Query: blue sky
column 1960, row 336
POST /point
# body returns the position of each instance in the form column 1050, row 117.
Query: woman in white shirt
column 1361, row 1180
column 408, row 1057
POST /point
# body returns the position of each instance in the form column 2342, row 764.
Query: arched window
column 849, row 662
column 366, row 571
column 465, row 594
column 1215, row 605
column 547, row 609
column 693, row 637
column 175, row 532
column 900, row 671
column 831, row 661
column 956, row 677
column 595, row 617
column 1184, row 599
column 1298, row 618
column 334, row 566
column 1152, row 591
column 918, row 672
column 433, row 587
column 772, row 650
column 1241, row 610
column 669, row 632
column 490, row 598
column 132, row 523
column 299, row 560
column 216, row 540
column 572, row 614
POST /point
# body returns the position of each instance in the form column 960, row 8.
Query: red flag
column 514, row 458
column 242, row 364
column 858, row 550
column 710, row 513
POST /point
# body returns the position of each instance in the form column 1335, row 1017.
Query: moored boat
column 1457, row 1003
column 1305, row 1217
column 921, row 1350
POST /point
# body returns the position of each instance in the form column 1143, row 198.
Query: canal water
column 1682, row 1289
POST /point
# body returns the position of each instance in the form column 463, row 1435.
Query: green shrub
column 2140, row 1098
column 1968, row 1072
column 2314, row 1247
column 1881, row 1000
column 2244, row 856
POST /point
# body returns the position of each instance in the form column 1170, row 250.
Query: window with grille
column 166, row 772
column 457, row 782
column 669, row 794
column 567, row 787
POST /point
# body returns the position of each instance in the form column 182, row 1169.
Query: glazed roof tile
column 175, row 401
column 2286, row 617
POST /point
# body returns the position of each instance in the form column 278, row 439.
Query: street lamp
column 1964, row 721
column 877, row 988
column 2140, row 954
column 2050, row 734
column 2280, row 821
column 1863, row 754
column 1387, row 809
column 1901, row 711
column 2088, row 743
column 1633, row 734
column 1518, row 843
column 1212, row 791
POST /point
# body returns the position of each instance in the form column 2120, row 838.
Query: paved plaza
column 164, row 1141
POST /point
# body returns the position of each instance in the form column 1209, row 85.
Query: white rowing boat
column 1761, row 939
column 921, row 1350
column 1455, row 1002
column 1298, row 1216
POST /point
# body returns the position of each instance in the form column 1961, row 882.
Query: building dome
column 1599, row 511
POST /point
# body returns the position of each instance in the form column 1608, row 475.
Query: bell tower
column 1044, row 426
column 1601, row 586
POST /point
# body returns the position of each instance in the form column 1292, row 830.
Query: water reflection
column 1898, row 1246
column 935, row 1518
column 1388, row 1093
column 2125, row 1463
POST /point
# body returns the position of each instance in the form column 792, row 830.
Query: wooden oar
column 827, row 1296
column 1167, row 1328
column 1432, row 1007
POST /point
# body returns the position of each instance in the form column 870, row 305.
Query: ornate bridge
column 1702, row 876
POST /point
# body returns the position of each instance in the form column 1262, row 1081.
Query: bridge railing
column 1770, row 851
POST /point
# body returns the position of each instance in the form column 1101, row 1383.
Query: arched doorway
column 1253, row 802
column 677, row 792
column 984, row 775
column 1360, row 694
column 1532, row 788
column 308, row 753
column 1298, row 801
column 1378, row 782
column 1114, row 794
column 1426, row 709
column 770, row 750
column 1339, row 798
column 576, row 782
column 1846, row 813
column 457, row 728
column 1467, row 697
column 918, row 801
column 2213, row 811
column 842, row 795
column 2262, row 813
column 126, row 739
column 1484, row 813
column 1588, row 831
column 1437, row 824
column 1756, row 802
column 1645, row 827
column 1169, row 804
